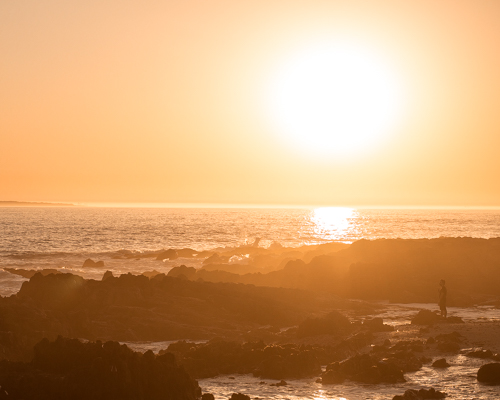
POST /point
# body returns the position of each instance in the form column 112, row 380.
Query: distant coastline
column 33, row 204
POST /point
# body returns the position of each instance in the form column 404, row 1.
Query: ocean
column 64, row 237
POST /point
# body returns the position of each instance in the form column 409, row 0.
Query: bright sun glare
column 332, row 222
column 334, row 100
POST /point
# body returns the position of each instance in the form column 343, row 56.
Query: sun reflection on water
column 334, row 223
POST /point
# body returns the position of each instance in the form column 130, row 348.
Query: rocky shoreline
column 313, row 319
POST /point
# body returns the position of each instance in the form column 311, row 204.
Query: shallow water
column 401, row 314
column 458, row 381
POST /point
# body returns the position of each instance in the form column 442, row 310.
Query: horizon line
column 260, row 206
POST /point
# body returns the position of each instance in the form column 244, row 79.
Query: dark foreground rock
column 422, row 394
column 425, row 317
column 402, row 354
column 220, row 357
column 489, row 373
column 70, row 369
column 332, row 323
column 363, row 368
column 134, row 307
column 441, row 363
column 239, row 396
column 275, row 361
column 449, row 342
column 377, row 325
column 484, row 354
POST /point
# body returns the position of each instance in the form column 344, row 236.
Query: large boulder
column 483, row 353
column 89, row 263
column 489, row 373
column 239, row 396
column 70, row 369
column 449, row 342
column 332, row 323
column 425, row 317
column 440, row 363
column 363, row 368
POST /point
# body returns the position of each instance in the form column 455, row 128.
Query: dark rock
column 207, row 396
column 280, row 383
column 70, row 369
column 449, row 337
column 449, row 342
column 333, row 323
column 107, row 275
column 169, row 254
column 187, row 272
column 332, row 377
column 239, row 396
column 441, row 363
column 363, row 368
column 88, row 263
column 377, row 325
column 422, row 394
column 222, row 357
column 57, row 291
column 406, row 361
column 216, row 258
column 151, row 274
column 448, row 347
column 489, row 373
column 425, row 317
column 482, row 353
column 133, row 307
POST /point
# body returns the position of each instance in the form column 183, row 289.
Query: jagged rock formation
column 132, row 307
column 400, row 270
column 274, row 361
column 70, row 369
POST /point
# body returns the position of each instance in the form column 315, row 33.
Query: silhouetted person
column 442, row 298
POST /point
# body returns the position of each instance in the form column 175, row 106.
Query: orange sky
column 164, row 101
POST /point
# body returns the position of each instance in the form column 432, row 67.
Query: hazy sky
column 168, row 101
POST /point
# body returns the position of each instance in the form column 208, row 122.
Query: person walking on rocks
column 442, row 298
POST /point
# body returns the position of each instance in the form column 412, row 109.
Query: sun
column 334, row 99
